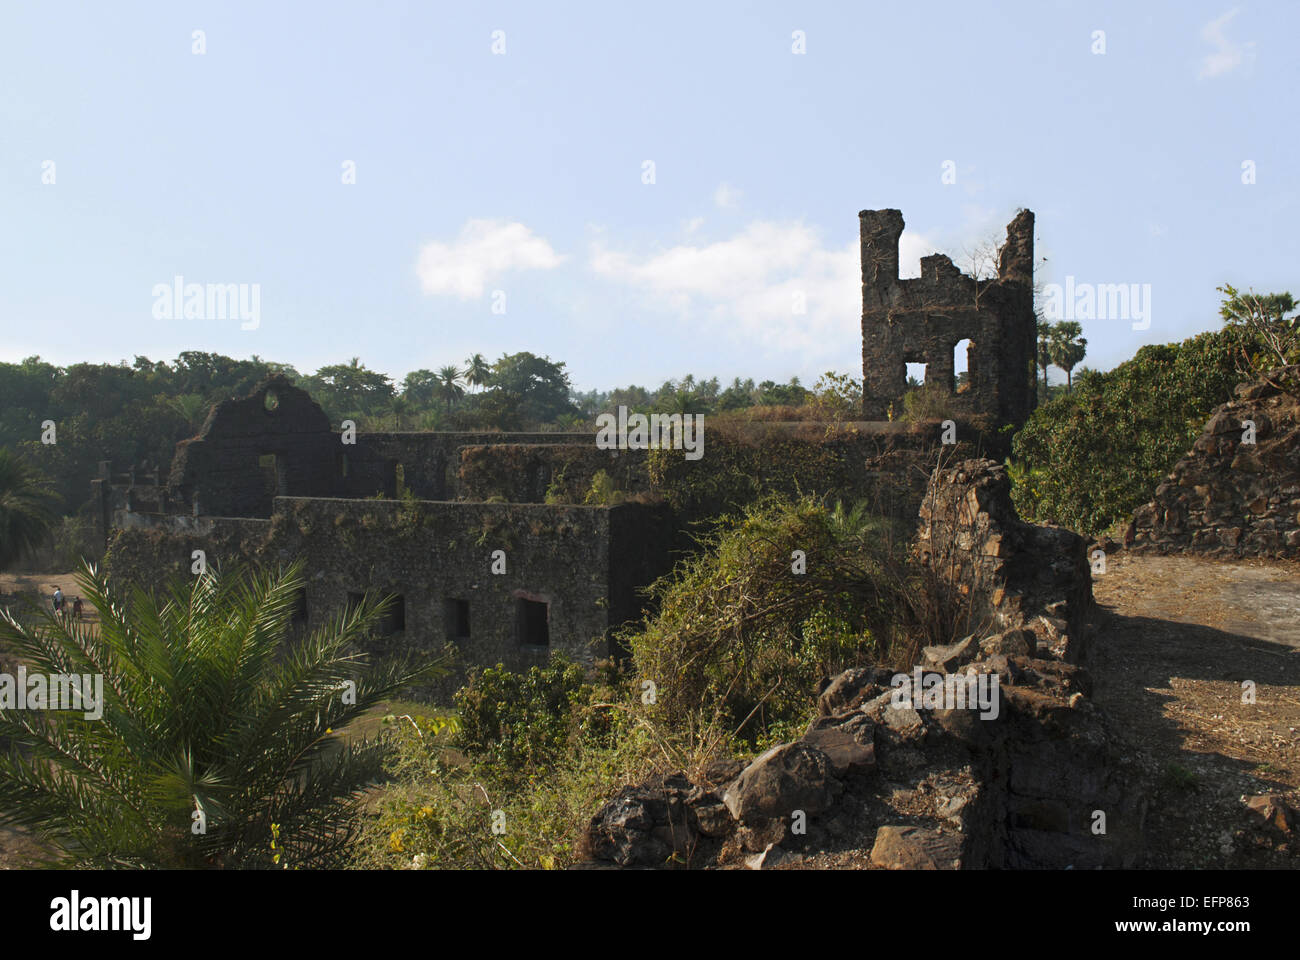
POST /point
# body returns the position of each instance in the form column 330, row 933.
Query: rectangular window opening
column 457, row 616
column 533, row 617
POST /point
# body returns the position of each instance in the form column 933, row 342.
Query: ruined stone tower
column 923, row 320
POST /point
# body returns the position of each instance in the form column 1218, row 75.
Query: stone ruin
column 878, row 785
column 1237, row 492
column 269, row 478
column 923, row 320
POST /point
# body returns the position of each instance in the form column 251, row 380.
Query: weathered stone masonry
column 267, row 479
column 583, row 564
column 1228, row 497
column 923, row 320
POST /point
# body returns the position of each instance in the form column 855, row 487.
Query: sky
column 639, row 190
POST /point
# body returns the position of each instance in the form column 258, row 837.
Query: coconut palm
column 477, row 370
column 27, row 507
column 449, row 385
column 220, row 741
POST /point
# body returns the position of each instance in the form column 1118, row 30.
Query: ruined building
column 485, row 539
column 926, row 319
column 268, row 479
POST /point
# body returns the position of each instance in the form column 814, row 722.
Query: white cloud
column 749, row 285
column 1227, row 55
column 484, row 251
column 726, row 196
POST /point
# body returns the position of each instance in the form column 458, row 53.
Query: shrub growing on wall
column 742, row 636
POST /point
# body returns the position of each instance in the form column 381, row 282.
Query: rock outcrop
column 1237, row 492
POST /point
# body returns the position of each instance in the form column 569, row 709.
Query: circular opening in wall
column 271, row 400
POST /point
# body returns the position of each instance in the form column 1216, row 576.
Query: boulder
column 846, row 752
column 915, row 848
column 1272, row 812
column 789, row 777
column 849, row 689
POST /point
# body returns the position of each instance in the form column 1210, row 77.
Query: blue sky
column 523, row 172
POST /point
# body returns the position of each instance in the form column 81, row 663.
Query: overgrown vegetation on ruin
column 1089, row 458
column 729, row 664
column 779, row 596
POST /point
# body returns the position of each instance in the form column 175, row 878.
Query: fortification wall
column 582, row 564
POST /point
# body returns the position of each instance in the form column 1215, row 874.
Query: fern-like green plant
column 215, row 726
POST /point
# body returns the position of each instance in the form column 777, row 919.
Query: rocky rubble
column 893, row 772
column 1234, row 494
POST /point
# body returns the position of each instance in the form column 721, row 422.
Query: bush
column 513, row 782
column 1088, row 459
column 926, row 402
column 742, row 637
column 604, row 492
column 521, row 723
column 447, row 811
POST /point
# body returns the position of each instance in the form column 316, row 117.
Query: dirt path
column 1176, row 639
column 39, row 588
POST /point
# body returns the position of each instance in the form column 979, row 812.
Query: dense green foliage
column 26, row 508
column 134, row 414
column 126, row 414
column 779, row 596
column 522, row 722
column 218, row 745
column 513, row 778
column 1088, row 458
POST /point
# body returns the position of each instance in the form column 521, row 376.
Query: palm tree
column 191, row 408
column 477, row 370
column 27, row 507
column 449, row 380
column 216, row 744
column 1046, row 333
column 400, row 407
column 1068, row 348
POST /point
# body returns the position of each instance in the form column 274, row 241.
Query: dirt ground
column 1176, row 639
column 34, row 586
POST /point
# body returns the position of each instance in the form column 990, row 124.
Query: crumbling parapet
column 1023, row 779
column 923, row 320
